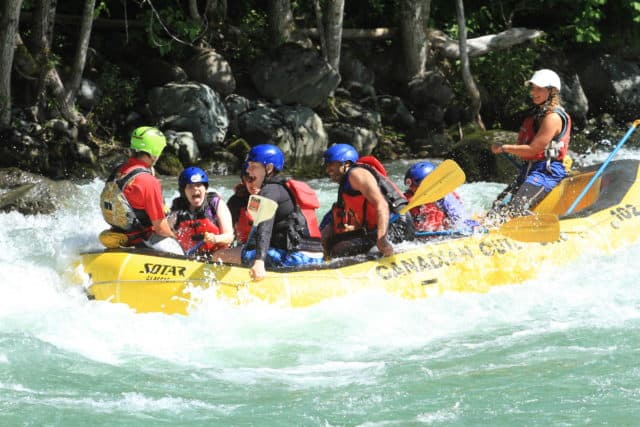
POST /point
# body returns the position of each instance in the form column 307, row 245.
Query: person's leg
column 528, row 195
column 351, row 243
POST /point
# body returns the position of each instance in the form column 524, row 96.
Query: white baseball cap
column 544, row 78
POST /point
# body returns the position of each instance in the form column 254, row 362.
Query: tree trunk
column 280, row 21
column 49, row 78
column 193, row 10
column 321, row 31
column 470, row 84
column 81, row 53
column 335, row 13
column 9, row 16
column 414, row 16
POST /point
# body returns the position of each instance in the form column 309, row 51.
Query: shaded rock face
column 193, row 107
column 612, row 85
column 295, row 75
column 157, row 72
column 210, row 68
column 298, row 131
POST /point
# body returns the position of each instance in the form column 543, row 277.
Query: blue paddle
column 604, row 165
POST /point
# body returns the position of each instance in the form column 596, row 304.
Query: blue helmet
column 341, row 153
column 193, row 175
column 416, row 173
column 265, row 154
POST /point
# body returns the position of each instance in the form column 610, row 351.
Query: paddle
column 604, row 165
column 261, row 208
column 443, row 180
column 532, row 228
column 197, row 246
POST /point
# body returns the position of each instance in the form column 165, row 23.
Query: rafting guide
column 542, row 144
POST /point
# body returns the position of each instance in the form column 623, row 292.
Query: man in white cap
column 543, row 141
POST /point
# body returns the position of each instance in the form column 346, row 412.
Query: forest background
column 75, row 75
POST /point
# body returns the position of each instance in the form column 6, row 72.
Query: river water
column 561, row 350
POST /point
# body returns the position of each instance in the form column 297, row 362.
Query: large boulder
column 193, row 107
column 295, row 75
column 297, row 130
column 612, row 84
column 209, row 67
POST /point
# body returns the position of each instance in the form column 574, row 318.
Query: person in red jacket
column 542, row 144
column 435, row 218
column 200, row 218
column 132, row 201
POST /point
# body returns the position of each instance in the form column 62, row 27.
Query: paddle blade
column 261, row 208
column 443, row 180
column 532, row 228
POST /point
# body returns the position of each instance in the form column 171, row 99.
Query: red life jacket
column 557, row 148
column 307, row 201
column 374, row 163
column 191, row 226
column 190, row 232
column 243, row 226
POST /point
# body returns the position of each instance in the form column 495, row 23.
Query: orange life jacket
column 352, row 211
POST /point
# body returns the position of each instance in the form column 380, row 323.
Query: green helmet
column 148, row 139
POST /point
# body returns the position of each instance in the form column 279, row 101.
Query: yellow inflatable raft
column 605, row 219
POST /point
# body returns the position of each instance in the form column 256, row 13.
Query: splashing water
column 560, row 349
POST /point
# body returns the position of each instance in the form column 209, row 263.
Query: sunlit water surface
column 559, row 350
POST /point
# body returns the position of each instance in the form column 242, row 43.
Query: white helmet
column 544, row 78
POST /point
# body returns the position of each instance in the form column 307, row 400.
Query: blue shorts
column 541, row 177
column 281, row 258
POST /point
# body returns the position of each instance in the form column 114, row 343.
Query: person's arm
column 154, row 207
column 162, row 228
column 550, row 127
column 226, row 235
column 363, row 181
column 265, row 229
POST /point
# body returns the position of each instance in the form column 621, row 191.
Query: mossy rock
column 473, row 154
column 169, row 164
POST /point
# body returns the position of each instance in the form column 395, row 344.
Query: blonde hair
column 553, row 101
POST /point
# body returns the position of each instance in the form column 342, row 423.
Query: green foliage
column 635, row 10
column 253, row 39
column 584, row 27
column 119, row 94
column 502, row 74
column 170, row 29
column 101, row 9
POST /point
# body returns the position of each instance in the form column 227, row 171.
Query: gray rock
column 295, row 75
column 193, row 107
